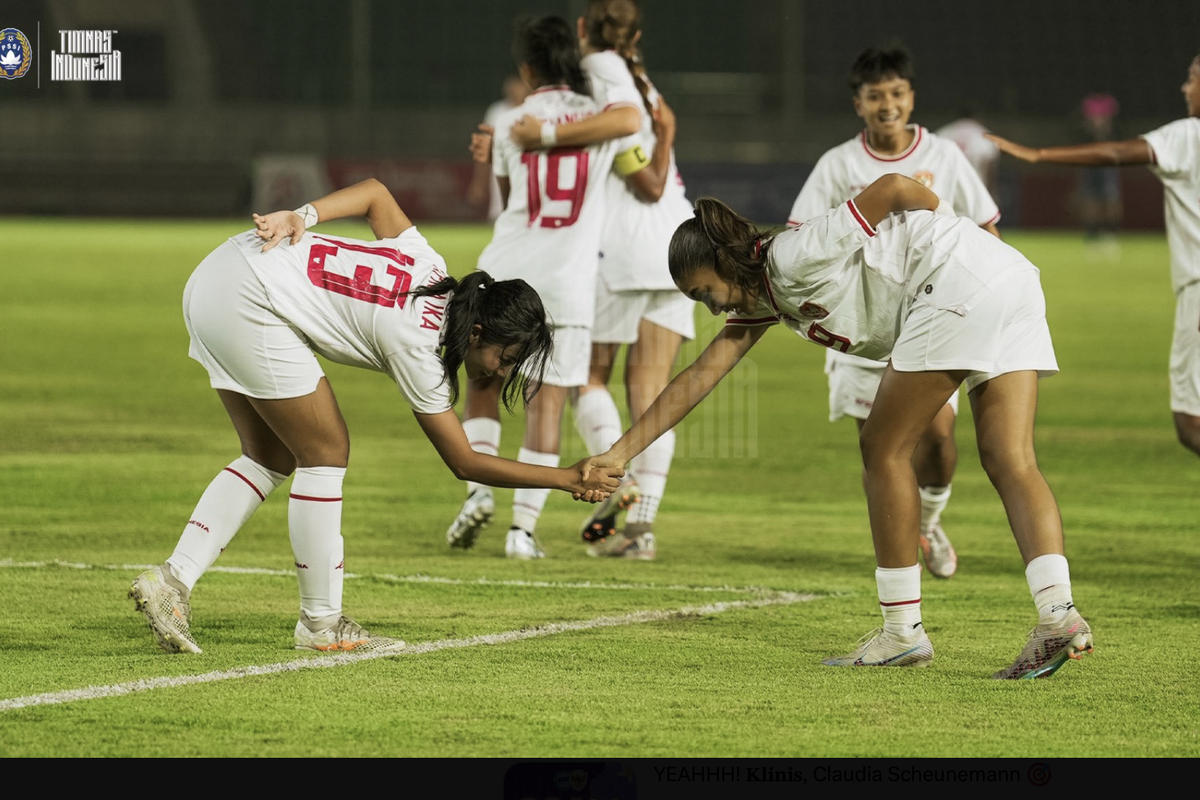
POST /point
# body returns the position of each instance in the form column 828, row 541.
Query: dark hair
column 613, row 25
column 551, row 49
column 507, row 313
column 718, row 236
column 876, row 63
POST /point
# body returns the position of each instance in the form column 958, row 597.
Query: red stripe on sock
column 900, row 603
column 315, row 499
column 261, row 496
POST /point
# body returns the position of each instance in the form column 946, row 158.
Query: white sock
column 650, row 469
column 315, row 525
column 900, row 599
column 597, row 420
column 933, row 502
column 235, row 494
column 484, row 435
column 1049, row 579
column 527, row 503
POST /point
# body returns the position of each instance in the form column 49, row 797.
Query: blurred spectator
column 484, row 189
column 1099, row 190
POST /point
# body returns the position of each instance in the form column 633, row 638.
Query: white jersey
column 636, row 234
column 980, row 151
column 841, row 284
column 1176, row 151
column 346, row 297
column 852, row 166
column 549, row 233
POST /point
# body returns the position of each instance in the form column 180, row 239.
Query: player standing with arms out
column 1173, row 154
column 948, row 304
column 548, row 234
column 637, row 303
column 881, row 82
column 257, row 314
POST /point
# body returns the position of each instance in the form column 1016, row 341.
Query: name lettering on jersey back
column 434, row 310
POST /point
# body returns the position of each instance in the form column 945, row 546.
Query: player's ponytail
column 551, row 49
column 719, row 237
column 615, row 25
column 507, row 313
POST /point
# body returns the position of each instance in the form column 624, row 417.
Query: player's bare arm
column 369, row 199
column 1095, row 154
column 613, row 123
column 481, row 144
column 445, row 432
column 892, row 193
column 649, row 182
column 683, row 393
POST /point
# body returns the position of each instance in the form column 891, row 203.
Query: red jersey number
column 823, row 337
column 558, row 163
column 359, row 286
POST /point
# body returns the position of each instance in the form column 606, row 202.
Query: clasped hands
column 598, row 477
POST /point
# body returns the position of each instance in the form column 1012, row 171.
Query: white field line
column 8, row 563
column 345, row 659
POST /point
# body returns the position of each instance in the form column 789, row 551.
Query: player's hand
column 277, row 226
column 527, row 132
column 481, row 144
column 593, row 483
column 1013, row 149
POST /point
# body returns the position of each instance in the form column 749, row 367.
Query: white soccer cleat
column 167, row 614
column 940, row 558
column 881, row 648
column 343, row 636
column 602, row 522
column 641, row 547
column 475, row 515
column 522, row 544
column 1048, row 647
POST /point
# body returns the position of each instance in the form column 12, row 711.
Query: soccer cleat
column 1049, row 646
column 641, row 547
column 881, row 648
column 522, row 544
column 475, row 515
column 603, row 520
column 940, row 558
column 168, row 615
column 344, row 635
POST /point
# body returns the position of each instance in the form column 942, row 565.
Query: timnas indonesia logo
column 85, row 56
column 16, row 54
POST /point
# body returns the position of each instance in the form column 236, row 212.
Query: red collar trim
column 920, row 134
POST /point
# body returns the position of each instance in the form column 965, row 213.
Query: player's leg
column 1004, row 409
column 164, row 592
column 903, row 408
column 313, row 429
column 647, row 373
column 935, row 460
column 481, row 424
column 543, row 423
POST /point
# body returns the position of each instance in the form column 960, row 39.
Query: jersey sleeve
column 818, row 195
column 1175, row 148
column 802, row 254
column 971, row 198
column 421, row 378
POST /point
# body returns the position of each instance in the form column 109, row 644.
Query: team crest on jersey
column 16, row 54
column 813, row 311
column 924, row 177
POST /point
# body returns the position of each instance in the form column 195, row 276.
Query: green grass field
column 109, row 433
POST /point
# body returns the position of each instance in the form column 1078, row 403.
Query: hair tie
column 757, row 247
column 481, row 286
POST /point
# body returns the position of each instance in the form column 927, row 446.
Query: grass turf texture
column 110, row 433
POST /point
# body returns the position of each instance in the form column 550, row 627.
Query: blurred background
column 224, row 106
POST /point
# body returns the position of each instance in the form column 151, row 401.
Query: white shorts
column 568, row 365
column 852, row 389
column 238, row 337
column 1005, row 332
column 618, row 313
column 1185, row 352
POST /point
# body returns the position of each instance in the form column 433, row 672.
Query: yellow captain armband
column 632, row 160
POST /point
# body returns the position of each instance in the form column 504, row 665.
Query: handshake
column 597, row 477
